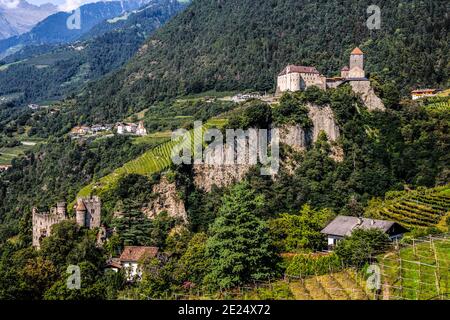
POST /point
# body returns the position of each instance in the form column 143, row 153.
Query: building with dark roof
column 343, row 226
column 296, row 78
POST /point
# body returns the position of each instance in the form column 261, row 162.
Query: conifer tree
column 239, row 246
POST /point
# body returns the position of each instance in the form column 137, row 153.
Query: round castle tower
column 81, row 213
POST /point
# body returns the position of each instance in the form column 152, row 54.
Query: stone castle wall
column 43, row 221
column 300, row 81
column 42, row 224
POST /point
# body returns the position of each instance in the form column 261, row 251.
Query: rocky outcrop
column 166, row 199
column 216, row 170
column 206, row 176
column 368, row 96
column 323, row 120
column 295, row 137
column 213, row 172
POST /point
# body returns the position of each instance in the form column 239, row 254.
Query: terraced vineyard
column 421, row 208
column 151, row 162
column 344, row 285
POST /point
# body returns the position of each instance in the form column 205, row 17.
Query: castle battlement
column 88, row 213
column 43, row 221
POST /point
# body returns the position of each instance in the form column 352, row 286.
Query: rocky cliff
column 370, row 99
column 166, row 199
column 216, row 171
column 299, row 139
column 295, row 137
column 323, row 120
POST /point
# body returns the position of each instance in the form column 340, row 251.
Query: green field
column 419, row 271
column 7, row 154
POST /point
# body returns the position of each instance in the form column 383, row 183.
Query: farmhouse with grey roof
column 343, row 226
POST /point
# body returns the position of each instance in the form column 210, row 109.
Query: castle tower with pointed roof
column 356, row 64
column 87, row 214
column 87, row 211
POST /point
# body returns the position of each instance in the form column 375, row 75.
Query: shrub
column 361, row 246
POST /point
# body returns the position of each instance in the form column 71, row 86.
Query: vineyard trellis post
column 420, row 274
column 437, row 271
column 400, row 269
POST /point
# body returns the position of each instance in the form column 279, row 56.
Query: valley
column 223, row 150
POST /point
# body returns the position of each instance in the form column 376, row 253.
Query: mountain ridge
column 239, row 45
column 20, row 17
column 54, row 29
column 49, row 72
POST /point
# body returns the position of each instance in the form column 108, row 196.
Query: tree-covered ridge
column 239, row 44
column 42, row 72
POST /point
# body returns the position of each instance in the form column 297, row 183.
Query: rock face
column 206, row 175
column 295, row 137
column 17, row 17
column 212, row 173
column 217, row 171
column 323, row 120
column 166, row 199
column 370, row 99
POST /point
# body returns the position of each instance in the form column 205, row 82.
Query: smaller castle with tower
column 87, row 214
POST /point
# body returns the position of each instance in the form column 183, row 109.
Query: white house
column 5, row 167
column 423, row 93
column 132, row 256
column 131, row 128
column 343, row 226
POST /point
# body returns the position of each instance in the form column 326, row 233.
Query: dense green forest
column 407, row 144
column 55, row 171
column 235, row 44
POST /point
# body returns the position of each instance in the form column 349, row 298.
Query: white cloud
column 70, row 5
column 11, row 4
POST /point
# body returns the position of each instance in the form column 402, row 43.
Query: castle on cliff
column 87, row 214
column 296, row 78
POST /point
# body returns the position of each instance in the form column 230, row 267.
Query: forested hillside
column 243, row 44
column 45, row 72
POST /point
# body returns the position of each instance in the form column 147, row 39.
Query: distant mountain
column 20, row 17
column 47, row 72
column 61, row 28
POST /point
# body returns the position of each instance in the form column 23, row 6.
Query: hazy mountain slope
column 47, row 72
column 54, row 28
column 20, row 18
column 240, row 44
